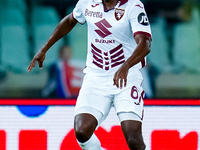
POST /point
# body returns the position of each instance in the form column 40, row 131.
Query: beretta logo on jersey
column 119, row 13
column 142, row 19
column 95, row 14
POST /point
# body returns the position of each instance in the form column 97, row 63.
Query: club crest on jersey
column 119, row 13
column 142, row 19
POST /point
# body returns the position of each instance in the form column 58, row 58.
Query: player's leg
column 92, row 106
column 131, row 125
column 86, row 120
column 84, row 126
column 132, row 131
column 129, row 107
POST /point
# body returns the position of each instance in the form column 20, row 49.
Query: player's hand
column 120, row 77
column 39, row 57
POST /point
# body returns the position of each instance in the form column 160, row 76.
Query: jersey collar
column 121, row 1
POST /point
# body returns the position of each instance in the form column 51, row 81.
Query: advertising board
column 47, row 124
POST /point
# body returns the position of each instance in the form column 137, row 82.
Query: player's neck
column 109, row 4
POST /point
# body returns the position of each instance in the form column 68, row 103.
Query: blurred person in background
column 182, row 14
column 174, row 12
column 119, row 38
column 62, row 76
column 168, row 15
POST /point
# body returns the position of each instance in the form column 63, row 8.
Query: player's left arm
column 143, row 48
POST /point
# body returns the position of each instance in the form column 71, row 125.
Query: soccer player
column 119, row 38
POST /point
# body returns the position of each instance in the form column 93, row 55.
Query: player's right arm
column 63, row 28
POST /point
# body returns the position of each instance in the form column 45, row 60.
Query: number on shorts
column 134, row 94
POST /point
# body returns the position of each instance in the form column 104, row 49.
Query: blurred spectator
column 183, row 14
column 174, row 12
column 63, row 80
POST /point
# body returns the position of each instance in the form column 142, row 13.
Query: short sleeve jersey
column 111, row 33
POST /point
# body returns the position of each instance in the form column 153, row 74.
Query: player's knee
column 84, row 126
column 82, row 135
column 135, row 143
column 83, row 132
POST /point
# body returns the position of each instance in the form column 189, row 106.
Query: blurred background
column 173, row 69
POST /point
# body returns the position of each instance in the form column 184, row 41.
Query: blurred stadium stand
column 78, row 43
column 25, row 25
column 159, row 54
column 15, row 50
column 43, row 22
column 187, row 50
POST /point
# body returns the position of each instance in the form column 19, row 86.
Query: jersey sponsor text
column 104, row 41
column 93, row 14
column 142, row 19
